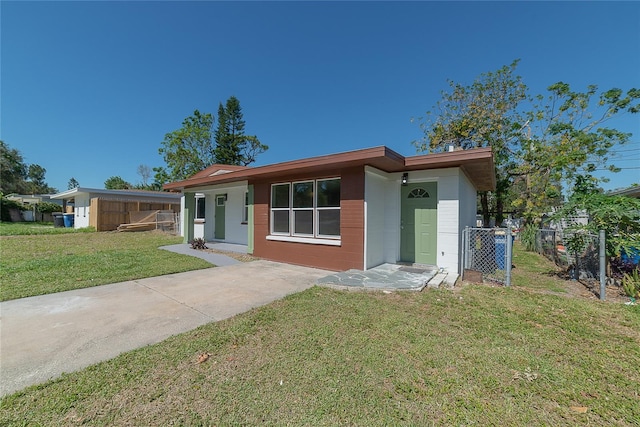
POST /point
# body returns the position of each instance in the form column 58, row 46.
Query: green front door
column 220, row 205
column 418, row 243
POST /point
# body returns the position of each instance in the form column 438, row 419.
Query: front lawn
column 479, row 355
column 29, row 228
column 48, row 260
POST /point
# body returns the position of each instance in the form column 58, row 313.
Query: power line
column 625, row 151
column 622, row 169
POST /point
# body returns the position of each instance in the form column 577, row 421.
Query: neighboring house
column 107, row 209
column 633, row 191
column 357, row 209
column 32, row 201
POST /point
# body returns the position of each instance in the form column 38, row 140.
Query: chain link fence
column 578, row 252
column 487, row 254
column 581, row 254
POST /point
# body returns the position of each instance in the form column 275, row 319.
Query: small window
column 200, row 207
column 245, row 210
column 418, row 193
column 220, row 200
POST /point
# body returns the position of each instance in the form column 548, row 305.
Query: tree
column 233, row 147
column 160, row 177
column 73, row 183
column 36, row 183
column 485, row 113
column 619, row 216
column 13, row 170
column 145, row 172
column 567, row 142
column 539, row 151
column 116, row 183
column 189, row 149
column 19, row 177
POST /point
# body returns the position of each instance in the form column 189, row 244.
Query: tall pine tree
column 233, row 147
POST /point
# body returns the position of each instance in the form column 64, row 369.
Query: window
column 280, row 208
column 303, row 208
column 418, row 193
column 245, row 210
column 328, row 208
column 200, row 207
column 306, row 209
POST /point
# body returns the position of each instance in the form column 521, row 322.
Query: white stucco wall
column 456, row 209
column 235, row 230
column 468, row 209
column 81, row 210
column 375, row 201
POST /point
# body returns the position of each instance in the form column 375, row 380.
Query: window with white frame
column 306, row 209
column 245, row 210
column 200, row 207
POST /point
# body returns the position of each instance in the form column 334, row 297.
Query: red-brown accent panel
column 350, row 254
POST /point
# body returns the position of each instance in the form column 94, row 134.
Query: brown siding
column 350, row 254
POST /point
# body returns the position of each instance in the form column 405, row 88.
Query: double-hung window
column 302, row 209
column 306, row 209
column 328, row 208
column 280, row 208
column 200, row 207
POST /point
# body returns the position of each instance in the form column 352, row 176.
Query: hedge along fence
column 108, row 214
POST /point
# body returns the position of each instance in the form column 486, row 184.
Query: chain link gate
column 487, row 254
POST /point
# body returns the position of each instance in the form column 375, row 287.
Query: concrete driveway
column 45, row 336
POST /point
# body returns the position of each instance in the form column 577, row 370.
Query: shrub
column 631, row 284
column 6, row 205
column 528, row 237
column 198, row 243
column 619, row 267
column 48, row 207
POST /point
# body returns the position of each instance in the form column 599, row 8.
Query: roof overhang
column 477, row 164
column 74, row 192
column 633, row 191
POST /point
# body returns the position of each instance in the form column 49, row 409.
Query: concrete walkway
column 220, row 260
column 42, row 337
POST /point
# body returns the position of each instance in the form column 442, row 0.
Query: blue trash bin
column 501, row 249
column 633, row 256
column 68, row 220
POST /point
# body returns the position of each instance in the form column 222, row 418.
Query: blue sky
column 89, row 89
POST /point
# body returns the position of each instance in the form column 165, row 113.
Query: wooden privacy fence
column 108, row 214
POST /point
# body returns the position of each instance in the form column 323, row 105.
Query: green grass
column 31, row 228
column 479, row 355
column 535, row 272
column 326, row 357
column 37, row 264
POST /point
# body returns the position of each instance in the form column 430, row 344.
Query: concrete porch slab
column 390, row 277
